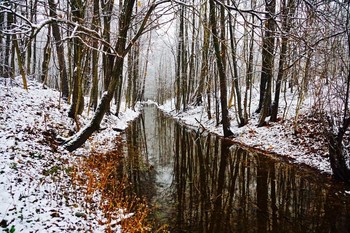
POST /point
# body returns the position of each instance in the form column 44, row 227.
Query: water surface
column 198, row 182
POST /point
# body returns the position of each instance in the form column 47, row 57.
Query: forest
column 237, row 59
column 222, row 51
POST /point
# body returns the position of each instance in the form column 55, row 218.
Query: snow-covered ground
column 36, row 190
column 308, row 147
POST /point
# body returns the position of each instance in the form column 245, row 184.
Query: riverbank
column 38, row 191
column 307, row 147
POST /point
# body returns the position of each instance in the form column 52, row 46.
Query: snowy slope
column 36, row 191
column 308, row 147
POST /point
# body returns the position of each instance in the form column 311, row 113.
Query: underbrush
column 101, row 175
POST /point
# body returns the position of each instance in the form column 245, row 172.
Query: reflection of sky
column 157, row 156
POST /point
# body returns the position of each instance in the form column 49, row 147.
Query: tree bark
column 77, row 105
column 179, row 60
column 337, row 156
column 221, row 70
column 20, row 62
column 60, row 51
column 94, row 71
column 6, row 61
column 249, row 76
column 267, row 63
column 204, row 61
column 287, row 13
column 341, row 171
column 107, row 57
column 46, row 59
column 236, row 87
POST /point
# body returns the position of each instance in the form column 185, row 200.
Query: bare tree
column 287, row 12
column 225, row 120
column 268, row 41
column 60, row 50
column 121, row 49
column 339, row 121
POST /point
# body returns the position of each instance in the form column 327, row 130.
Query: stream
column 199, row 182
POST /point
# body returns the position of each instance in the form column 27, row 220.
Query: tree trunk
column 179, row 60
column 94, row 71
column 9, row 58
column 236, row 87
column 249, row 77
column 35, row 18
column 192, row 68
column 287, row 13
column 60, row 51
column 222, row 74
column 20, row 62
column 46, row 59
column 107, row 58
column 2, row 46
column 267, row 63
column 337, row 156
column 204, row 61
column 77, row 105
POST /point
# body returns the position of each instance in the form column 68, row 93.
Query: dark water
column 201, row 183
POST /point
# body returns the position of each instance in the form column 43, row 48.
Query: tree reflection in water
column 201, row 183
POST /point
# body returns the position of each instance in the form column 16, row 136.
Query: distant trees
column 121, row 48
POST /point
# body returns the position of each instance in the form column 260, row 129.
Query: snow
column 275, row 138
column 36, row 190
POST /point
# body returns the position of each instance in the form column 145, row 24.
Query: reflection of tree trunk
column 216, row 222
column 336, row 214
column 234, row 174
column 177, row 172
column 233, row 179
column 273, row 198
column 204, row 204
column 183, row 173
column 262, row 195
column 244, row 191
